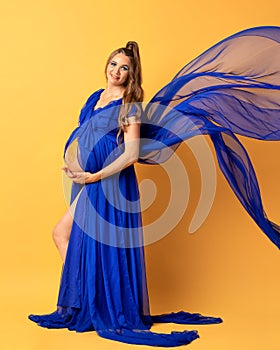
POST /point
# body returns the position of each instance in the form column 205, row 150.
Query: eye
column 125, row 68
column 113, row 63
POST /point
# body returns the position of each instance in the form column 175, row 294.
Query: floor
column 256, row 330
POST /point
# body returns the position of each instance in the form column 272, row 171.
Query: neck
column 114, row 91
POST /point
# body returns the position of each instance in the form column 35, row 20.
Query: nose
column 116, row 70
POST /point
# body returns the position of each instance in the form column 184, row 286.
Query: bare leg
column 61, row 233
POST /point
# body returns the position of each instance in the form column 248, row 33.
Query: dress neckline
column 102, row 107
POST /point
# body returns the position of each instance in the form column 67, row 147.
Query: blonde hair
column 133, row 90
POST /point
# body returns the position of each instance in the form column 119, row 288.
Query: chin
column 116, row 83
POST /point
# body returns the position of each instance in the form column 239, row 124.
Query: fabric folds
column 232, row 88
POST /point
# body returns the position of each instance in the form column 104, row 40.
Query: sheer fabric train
column 232, row 88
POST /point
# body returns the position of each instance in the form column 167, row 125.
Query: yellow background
column 52, row 57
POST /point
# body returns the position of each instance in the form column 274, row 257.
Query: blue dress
column 226, row 90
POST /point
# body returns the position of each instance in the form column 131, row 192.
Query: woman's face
column 117, row 69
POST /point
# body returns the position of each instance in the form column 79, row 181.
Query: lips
column 115, row 77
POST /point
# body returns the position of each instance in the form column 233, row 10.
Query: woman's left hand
column 83, row 177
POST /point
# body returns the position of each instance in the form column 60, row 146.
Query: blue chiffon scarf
column 232, row 88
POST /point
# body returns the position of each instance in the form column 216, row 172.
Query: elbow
column 132, row 157
column 132, row 151
column 134, row 160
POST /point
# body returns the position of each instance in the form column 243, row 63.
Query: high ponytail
column 134, row 92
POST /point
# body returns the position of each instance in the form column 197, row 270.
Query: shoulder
column 88, row 105
column 135, row 111
column 131, row 114
column 94, row 95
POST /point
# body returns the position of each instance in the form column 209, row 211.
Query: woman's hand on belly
column 82, row 177
column 67, row 171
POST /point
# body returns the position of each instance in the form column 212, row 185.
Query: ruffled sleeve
column 131, row 113
column 86, row 110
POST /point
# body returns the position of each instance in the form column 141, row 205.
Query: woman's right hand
column 68, row 172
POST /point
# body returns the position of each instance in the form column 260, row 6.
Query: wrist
column 95, row 176
column 99, row 175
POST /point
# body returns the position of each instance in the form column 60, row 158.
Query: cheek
column 107, row 70
column 124, row 75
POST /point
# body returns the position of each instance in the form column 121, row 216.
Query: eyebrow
column 124, row 65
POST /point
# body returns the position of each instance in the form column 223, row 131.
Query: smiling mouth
column 114, row 77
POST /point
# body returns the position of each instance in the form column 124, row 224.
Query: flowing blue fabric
column 232, row 88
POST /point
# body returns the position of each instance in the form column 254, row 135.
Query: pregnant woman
column 234, row 87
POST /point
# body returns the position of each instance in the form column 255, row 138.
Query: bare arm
column 128, row 157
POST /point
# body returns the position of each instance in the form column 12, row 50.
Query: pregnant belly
column 71, row 157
